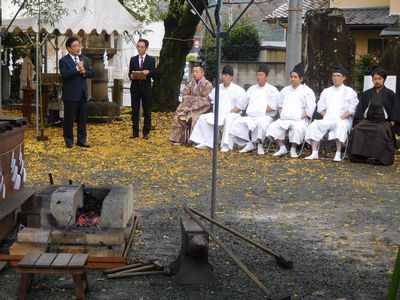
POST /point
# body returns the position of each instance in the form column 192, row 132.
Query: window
column 377, row 46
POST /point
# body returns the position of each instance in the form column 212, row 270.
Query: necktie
column 141, row 62
column 76, row 60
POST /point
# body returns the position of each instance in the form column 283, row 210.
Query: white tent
column 101, row 16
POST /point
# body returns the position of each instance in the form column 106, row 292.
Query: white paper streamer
column 105, row 59
column 10, row 65
column 17, row 183
column 24, row 175
column 12, row 161
column 3, row 191
column 14, row 174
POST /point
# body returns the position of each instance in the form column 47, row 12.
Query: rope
column 11, row 150
column 179, row 40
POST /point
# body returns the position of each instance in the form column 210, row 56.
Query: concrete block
column 27, row 235
column 65, row 202
column 42, row 236
column 112, row 236
column 68, row 237
column 117, row 207
column 23, row 248
column 105, row 251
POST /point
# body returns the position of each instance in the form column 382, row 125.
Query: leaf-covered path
column 338, row 222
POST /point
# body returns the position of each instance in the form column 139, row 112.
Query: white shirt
column 258, row 98
column 229, row 98
column 295, row 101
column 336, row 101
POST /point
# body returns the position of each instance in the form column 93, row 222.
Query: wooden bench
column 53, row 263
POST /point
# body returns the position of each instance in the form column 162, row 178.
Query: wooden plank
column 62, row 260
column 93, row 261
column 78, row 260
column 25, row 248
column 45, row 260
column 15, row 201
column 29, row 259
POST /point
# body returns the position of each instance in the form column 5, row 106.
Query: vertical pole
column 216, row 109
column 394, row 286
column 1, row 61
column 38, row 70
column 293, row 38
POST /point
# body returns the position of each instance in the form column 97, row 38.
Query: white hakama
column 335, row 101
column 254, row 126
column 229, row 98
column 294, row 102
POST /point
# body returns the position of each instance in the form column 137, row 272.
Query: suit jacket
column 149, row 63
column 74, row 83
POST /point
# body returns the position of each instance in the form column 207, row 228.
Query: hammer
column 154, row 265
column 165, row 271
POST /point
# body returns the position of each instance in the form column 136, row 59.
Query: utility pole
column 293, row 37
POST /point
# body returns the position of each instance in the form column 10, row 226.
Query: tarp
column 100, row 16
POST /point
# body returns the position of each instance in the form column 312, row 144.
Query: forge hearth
column 80, row 219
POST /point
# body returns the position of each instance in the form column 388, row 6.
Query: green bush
column 364, row 66
column 242, row 43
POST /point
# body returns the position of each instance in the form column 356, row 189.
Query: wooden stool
column 53, row 263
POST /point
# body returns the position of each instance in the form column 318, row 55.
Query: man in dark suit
column 141, row 70
column 74, row 69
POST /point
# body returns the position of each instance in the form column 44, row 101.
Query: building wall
column 394, row 7
column 245, row 73
column 272, row 55
column 360, row 3
column 361, row 38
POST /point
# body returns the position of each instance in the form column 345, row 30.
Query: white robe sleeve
column 243, row 102
column 211, row 96
column 309, row 101
column 274, row 98
column 240, row 93
column 322, row 102
column 351, row 100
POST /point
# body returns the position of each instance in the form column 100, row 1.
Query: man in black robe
column 377, row 120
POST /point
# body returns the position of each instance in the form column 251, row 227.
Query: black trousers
column 144, row 97
column 74, row 110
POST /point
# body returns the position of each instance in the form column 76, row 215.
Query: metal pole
column 1, row 61
column 37, row 74
column 293, row 38
column 216, row 109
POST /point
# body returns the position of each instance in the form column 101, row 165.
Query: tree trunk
column 391, row 60
column 327, row 42
column 180, row 27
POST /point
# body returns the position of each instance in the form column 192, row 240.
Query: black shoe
column 146, row 137
column 84, row 145
column 134, row 136
column 69, row 145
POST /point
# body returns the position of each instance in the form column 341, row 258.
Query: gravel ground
column 338, row 223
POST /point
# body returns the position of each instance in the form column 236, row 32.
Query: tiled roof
column 282, row 11
column 362, row 17
column 368, row 16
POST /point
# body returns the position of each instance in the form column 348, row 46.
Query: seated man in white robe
column 261, row 105
column 337, row 105
column 229, row 107
column 296, row 107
